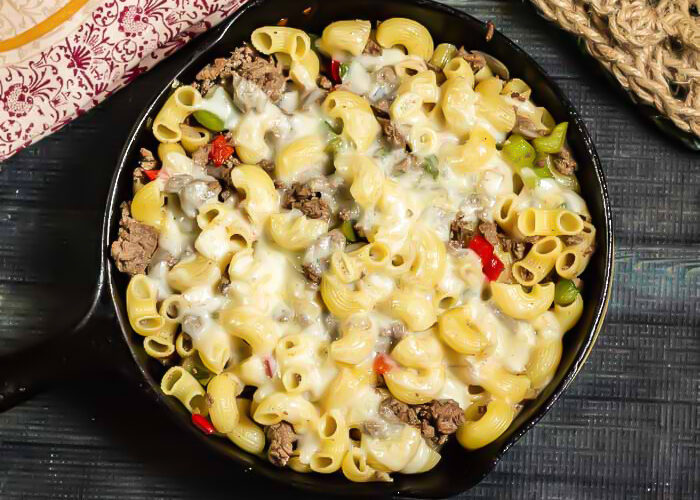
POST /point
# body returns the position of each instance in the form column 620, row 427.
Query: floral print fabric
column 117, row 41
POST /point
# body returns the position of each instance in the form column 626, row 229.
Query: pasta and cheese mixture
column 350, row 247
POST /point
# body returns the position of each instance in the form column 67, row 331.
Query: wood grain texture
column 629, row 427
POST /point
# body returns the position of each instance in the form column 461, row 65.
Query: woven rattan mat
column 651, row 47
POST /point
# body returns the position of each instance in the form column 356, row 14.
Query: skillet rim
column 578, row 361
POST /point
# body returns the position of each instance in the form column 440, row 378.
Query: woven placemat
column 651, row 47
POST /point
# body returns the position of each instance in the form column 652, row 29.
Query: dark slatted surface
column 629, row 427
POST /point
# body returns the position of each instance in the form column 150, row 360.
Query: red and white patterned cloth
column 109, row 46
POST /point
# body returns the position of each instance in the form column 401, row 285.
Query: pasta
column 388, row 245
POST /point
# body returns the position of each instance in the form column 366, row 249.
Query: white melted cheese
column 267, row 280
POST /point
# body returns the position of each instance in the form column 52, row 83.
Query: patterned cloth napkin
column 97, row 50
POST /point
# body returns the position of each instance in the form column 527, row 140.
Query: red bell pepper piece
column 382, row 364
column 151, row 174
column 491, row 265
column 203, row 424
column 483, row 248
column 492, row 268
column 220, row 150
column 335, row 71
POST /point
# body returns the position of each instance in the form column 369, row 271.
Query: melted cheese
column 267, row 279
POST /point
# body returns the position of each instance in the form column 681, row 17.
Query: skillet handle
column 56, row 359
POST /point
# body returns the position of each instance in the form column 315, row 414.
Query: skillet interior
column 458, row 470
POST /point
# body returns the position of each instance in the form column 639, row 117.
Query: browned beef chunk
column 518, row 249
column 282, row 438
column 572, row 239
column 201, row 156
column 267, row 76
column 375, row 428
column 372, row 48
column 578, row 239
column 436, row 420
column 490, row 231
column 392, row 409
column 135, row 244
column 148, row 161
column 528, row 128
column 564, row 162
column 312, row 273
column 392, row 134
column 518, row 96
column 395, row 331
column 461, row 231
column 302, row 197
column 409, row 163
column 252, row 66
column 444, row 415
column 475, row 60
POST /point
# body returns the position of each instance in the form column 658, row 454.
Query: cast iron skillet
column 22, row 374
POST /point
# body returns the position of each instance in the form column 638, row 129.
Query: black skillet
column 97, row 336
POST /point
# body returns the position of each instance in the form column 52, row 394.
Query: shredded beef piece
column 374, row 428
column 212, row 71
column 446, row 415
column 302, row 197
column 564, row 162
column 381, row 108
column 135, row 244
column 518, row 250
column 532, row 239
column 312, row 273
column 408, row 163
column 267, row 76
column 175, row 183
column 461, row 231
column 436, row 420
column 372, row 48
column 282, row 438
column 147, row 161
column 396, row 331
column 224, row 285
column 528, row 128
column 475, row 60
column 518, row 96
column 490, row 231
column 395, row 138
column 490, row 27
column 572, row 239
column 392, row 409
column 222, row 173
column 250, row 65
column 324, row 82
column 578, row 239
column 201, row 156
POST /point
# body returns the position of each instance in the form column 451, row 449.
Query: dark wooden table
column 629, row 427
